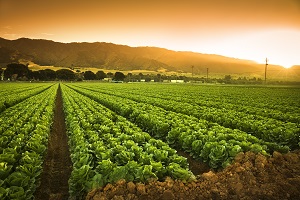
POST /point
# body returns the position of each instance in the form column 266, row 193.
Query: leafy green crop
column 202, row 139
column 106, row 147
column 24, row 139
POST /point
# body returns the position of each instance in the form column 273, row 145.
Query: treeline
column 21, row 72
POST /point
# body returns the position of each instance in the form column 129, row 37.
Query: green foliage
column 5, row 170
column 119, row 76
column 3, row 193
column 179, row 173
column 145, row 173
column 17, row 179
column 118, row 150
column 65, row 74
column 24, row 140
column 16, row 193
column 14, row 68
column 79, row 180
column 194, row 124
column 89, row 75
column 100, row 75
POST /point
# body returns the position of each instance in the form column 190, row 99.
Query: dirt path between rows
column 57, row 166
column 195, row 166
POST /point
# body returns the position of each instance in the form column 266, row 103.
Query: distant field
column 137, row 132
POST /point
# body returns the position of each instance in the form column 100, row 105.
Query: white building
column 177, row 81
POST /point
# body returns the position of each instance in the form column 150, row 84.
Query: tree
column 100, row 75
column 157, row 78
column 79, row 76
column 65, row 74
column 47, row 75
column 19, row 70
column 129, row 77
column 36, row 75
column 141, row 75
column 89, row 75
column 227, row 79
column 147, row 79
column 119, row 76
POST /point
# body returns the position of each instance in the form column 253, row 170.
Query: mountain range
column 110, row 56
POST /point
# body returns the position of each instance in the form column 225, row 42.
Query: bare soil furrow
column 57, row 165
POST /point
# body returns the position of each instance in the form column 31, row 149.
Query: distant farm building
column 177, row 81
column 107, row 79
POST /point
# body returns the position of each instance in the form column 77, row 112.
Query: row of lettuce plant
column 249, row 102
column 267, row 129
column 106, row 147
column 278, row 114
column 279, row 99
column 204, row 140
column 286, row 116
column 13, row 96
column 10, row 88
column 24, row 138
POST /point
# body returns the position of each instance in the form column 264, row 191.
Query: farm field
column 148, row 141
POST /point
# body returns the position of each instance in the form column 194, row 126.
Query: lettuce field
column 148, row 141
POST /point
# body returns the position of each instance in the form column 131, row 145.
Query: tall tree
column 119, row 76
column 65, row 74
column 18, row 70
column 100, row 75
column 89, row 75
column 47, row 75
column 36, row 75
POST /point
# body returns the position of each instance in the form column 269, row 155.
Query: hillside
column 120, row 57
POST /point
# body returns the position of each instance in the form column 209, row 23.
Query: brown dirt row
column 249, row 177
column 57, row 166
column 195, row 166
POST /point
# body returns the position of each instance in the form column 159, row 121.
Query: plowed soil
column 57, row 166
column 249, row 177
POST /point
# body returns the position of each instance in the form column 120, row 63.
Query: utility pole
column 266, row 70
column 206, row 75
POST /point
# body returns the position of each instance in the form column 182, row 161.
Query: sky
column 245, row 29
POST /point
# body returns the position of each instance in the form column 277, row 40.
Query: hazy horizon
column 248, row 29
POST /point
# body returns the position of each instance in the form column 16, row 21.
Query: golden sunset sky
column 246, row 29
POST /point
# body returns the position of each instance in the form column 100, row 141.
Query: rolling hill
column 121, row 57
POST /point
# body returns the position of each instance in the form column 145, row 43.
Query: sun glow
column 239, row 29
column 281, row 47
